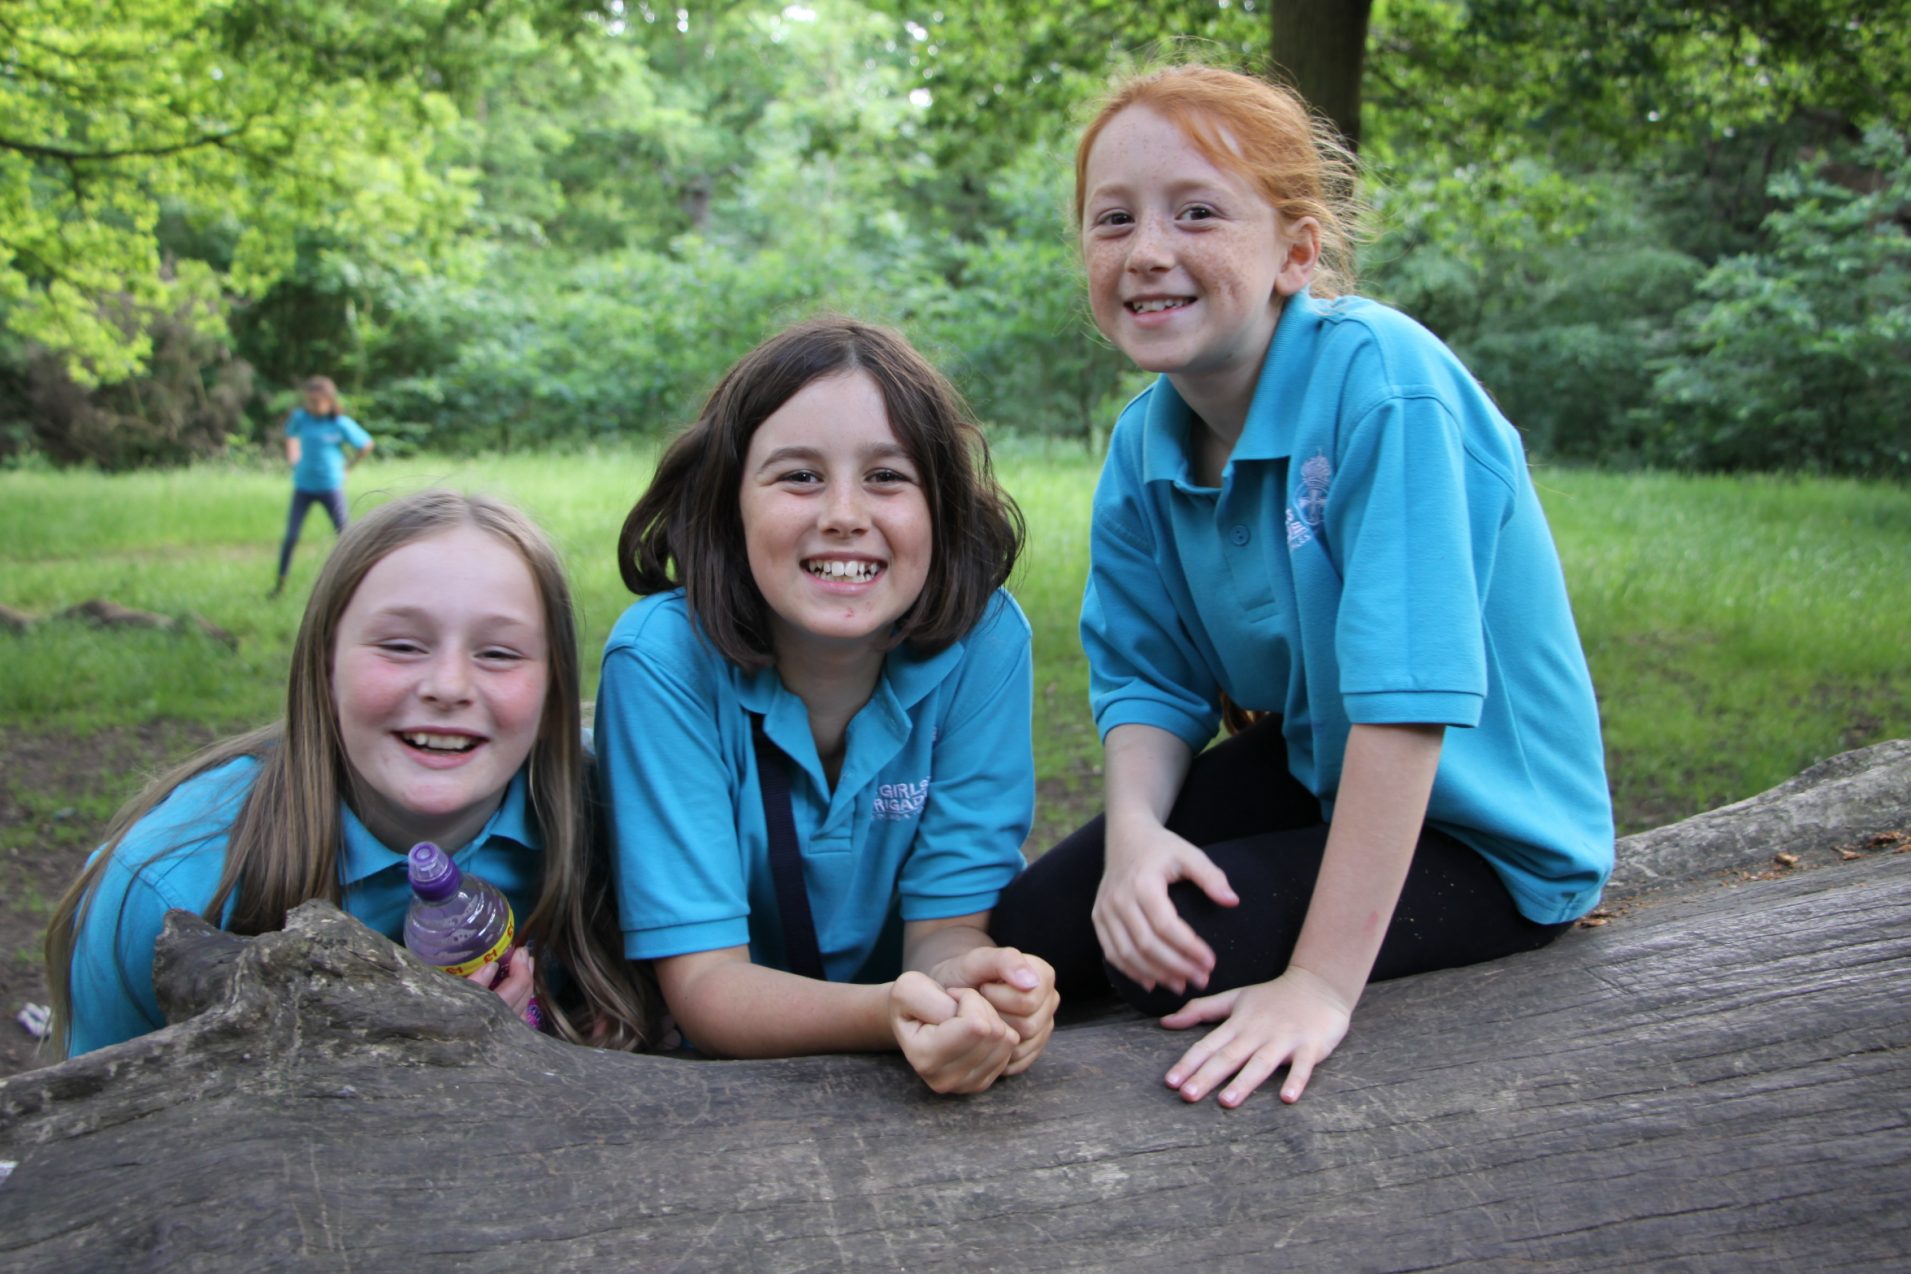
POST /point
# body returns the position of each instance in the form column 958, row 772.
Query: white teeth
column 439, row 742
column 1155, row 307
column 854, row 572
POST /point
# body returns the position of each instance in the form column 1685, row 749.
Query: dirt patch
column 57, row 793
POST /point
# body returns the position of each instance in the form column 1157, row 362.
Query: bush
column 1798, row 356
column 189, row 403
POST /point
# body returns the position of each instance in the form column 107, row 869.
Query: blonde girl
column 433, row 696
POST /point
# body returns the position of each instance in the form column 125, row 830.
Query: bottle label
column 498, row 948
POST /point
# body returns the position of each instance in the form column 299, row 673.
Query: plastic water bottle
column 458, row 922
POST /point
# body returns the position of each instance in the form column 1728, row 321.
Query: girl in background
column 433, row 696
column 813, row 732
column 1315, row 513
column 317, row 436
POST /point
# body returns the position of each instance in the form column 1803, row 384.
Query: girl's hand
column 517, row 985
column 1295, row 1019
column 1020, row 988
column 1141, row 933
column 954, row 1039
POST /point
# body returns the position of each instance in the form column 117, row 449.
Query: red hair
column 1261, row 132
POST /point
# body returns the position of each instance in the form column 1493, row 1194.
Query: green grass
column 1739, row 629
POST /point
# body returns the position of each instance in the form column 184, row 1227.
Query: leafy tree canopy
column 245, row 119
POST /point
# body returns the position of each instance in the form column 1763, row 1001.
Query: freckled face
column 1187, row 264
column 440, row 669
column 834, row 517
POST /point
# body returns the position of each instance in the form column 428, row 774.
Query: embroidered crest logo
column 897, row 802
column 1315, row 475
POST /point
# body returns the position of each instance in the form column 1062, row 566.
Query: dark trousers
column 334, row 502
column 1264, row 829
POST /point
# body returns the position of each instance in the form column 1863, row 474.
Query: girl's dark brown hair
column 687, row 528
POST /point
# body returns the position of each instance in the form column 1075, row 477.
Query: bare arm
column 733, row 1008
column 358, row 453
column 1300, row 1017
column 949, row 1012
column 292, row 451
column 1385, row 784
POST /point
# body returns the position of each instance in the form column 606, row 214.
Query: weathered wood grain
column 1722, row 1081
column 1838, row 802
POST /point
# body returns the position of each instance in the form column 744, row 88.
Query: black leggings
column 1264, row 830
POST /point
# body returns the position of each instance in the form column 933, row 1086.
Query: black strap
column 786, row 860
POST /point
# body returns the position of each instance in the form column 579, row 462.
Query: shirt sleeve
column 1143, row 667
column 968, row 844
column 671, row 799
column 1407, row 507
column 110, row 984
column 294, row 423
column 355, row 435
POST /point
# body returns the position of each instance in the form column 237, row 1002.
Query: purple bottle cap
column 434, row 877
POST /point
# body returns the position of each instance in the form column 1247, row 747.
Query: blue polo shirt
column 925, row 822
column 174, row 856
column 1375, row 553
column 321, row 465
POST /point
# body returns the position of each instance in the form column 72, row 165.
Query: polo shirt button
column 1239, row 534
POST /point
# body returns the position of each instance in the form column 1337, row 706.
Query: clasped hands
column 974, row 1017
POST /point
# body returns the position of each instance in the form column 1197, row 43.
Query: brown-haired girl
column 317, row 437
column 433, row 696
column 1315, row 513
column 813, row 732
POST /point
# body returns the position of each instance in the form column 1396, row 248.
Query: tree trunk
column 1716, row 1076
column 1319, row 47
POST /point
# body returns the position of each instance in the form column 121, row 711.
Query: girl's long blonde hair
column 283, row 846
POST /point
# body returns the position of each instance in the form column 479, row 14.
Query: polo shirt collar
column 1165, row 440
column 365, row 855
column 907, row 678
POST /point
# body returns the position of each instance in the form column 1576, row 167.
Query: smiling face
column 440, row 668
column 1188, row 264
column 834, row 518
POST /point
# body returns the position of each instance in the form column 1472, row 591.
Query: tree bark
column 1320, row 47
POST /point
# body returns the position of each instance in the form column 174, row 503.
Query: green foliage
column 1013, row 316
column 516, row 223
column 1798, row 355
column 1557, row 293
column 245, row 121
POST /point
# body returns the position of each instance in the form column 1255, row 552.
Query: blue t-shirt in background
column 322, row 440
column 1375, row 553
column 173, row 858
column 925, row 821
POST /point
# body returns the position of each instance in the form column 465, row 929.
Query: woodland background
column 1662, row 235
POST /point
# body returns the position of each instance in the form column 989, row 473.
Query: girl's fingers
column 1209, row 1008
column 1298, row 1074
column 1119, row 947
column 1197, row 1057
column 1225, row 1063
column 919, row 997
column 1203, row 871
column 1251, row 1076
column 1177, row 947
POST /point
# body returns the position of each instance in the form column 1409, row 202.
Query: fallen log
column 1722, row 1078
